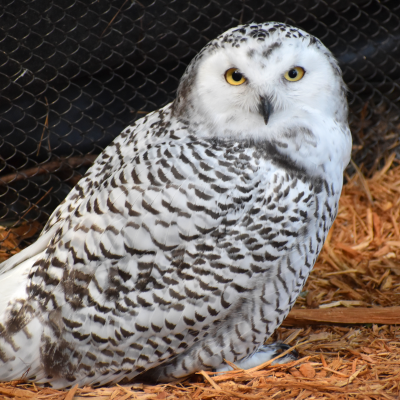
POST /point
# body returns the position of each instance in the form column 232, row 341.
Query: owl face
column 291, row 76
column 263, row 81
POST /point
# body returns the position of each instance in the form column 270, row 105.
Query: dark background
column 73, row 74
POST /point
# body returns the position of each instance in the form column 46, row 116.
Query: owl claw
column 263, row 354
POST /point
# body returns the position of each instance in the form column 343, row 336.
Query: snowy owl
column 189, row 239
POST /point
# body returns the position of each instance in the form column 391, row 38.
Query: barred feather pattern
column 175, row 251
column 192, row 256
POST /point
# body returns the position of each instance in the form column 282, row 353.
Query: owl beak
column 265, row 109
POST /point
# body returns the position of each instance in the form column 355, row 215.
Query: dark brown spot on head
column 266, row 53
column 251, row 53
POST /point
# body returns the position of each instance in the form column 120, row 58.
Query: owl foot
column 262, row 355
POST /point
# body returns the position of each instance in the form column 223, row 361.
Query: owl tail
column 20, row 327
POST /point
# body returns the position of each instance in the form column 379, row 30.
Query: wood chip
column 71, row 393
column 15, row 392
column 307, row 370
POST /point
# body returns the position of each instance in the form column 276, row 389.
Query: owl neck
column 323, row 150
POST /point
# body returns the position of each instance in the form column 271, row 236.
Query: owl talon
column 264, row 353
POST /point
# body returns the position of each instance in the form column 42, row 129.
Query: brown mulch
column 356, row 278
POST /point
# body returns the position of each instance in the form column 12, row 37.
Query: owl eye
column 294, row 74
column 234, row 77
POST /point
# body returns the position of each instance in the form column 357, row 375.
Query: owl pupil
column 237, row 76
column 292, row 74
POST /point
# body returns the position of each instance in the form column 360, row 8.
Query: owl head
column 270, row 82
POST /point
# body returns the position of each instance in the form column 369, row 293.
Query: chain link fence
column 74, row 73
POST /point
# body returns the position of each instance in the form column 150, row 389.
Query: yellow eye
column 234, row 77
column 294, row 74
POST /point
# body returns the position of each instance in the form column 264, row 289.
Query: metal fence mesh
column 74, row 73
